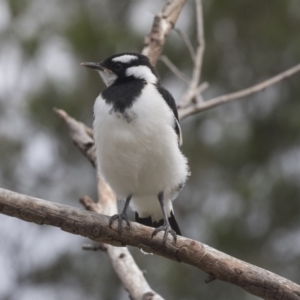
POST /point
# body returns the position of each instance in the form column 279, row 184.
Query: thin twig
column 187, row 42
column 88, row 203
column 174, row 69
column 200, row 39
column 196, row 76
column 183, row 113
column 202, row 87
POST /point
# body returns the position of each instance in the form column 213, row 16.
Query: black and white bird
column 137, row 136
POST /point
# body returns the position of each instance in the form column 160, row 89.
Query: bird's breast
column 137, row 150
column 147, row 117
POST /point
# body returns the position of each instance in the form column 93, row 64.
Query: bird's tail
column 148, row 222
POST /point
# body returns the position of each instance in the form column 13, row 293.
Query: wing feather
column 172, row 104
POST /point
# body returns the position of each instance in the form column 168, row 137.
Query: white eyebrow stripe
column 126, row 58
column 142, row 72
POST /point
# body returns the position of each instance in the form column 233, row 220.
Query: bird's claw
column 119, row 217
column 167, row 229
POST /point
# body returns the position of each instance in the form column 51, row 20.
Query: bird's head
column 123, row 67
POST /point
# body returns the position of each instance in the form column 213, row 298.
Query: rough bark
column 163, row 22
column 218, row 265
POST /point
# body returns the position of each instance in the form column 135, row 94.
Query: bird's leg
column 121, row 216
column 166, row 226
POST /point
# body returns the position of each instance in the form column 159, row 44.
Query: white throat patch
column 126, row 58
column 108, row 77
column 142, row 72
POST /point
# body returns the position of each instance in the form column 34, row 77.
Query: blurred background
column 243, row 197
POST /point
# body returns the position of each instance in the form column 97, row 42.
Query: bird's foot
column 167, row 229
column 120, row 217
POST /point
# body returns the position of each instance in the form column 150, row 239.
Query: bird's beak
column 93, row 65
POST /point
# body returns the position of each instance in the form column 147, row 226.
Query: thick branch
column 218, row 265
column 163, row 22
column 185, row 112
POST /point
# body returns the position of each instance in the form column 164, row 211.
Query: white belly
column 140, row 157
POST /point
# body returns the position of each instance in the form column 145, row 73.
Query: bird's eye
column 118, row 67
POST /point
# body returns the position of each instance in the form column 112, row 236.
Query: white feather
column 108, row 77
column 126, row 58
column 142, row 72
column 141, row 157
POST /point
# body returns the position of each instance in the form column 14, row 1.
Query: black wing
column 172, row 104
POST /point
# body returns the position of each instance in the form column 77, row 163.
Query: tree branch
column 187, row 42
column 192, row 90
column 185, row 112
column 174, row 69
column 218, row 265
column 163, row 22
